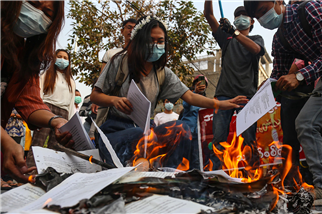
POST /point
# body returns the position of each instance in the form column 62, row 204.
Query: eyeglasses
column 130, row 27
column 159, row 46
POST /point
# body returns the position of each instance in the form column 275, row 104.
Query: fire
column 233, row 157
column 209, row 166
column 31, row 179
column 90, row 159
column 184, row 166
column 47, row 202
column 159, row 148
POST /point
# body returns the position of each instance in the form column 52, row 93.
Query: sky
column 228, row 9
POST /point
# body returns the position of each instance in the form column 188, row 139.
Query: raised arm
column 209, row 14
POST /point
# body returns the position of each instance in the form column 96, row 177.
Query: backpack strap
column 121, row 75
column 161, row 76
column 302, row 16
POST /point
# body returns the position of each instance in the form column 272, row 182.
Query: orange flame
column 209, row 166
column 31, row 179
column 233, row 156
column 90, row 159
column 159, row 148
column 47, row 202
column 184, row 166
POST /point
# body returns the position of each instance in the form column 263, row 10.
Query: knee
column 302, row 125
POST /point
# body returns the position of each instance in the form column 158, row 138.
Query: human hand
column 13, row 159
column 123, row 104
column 287, row 82
column 232, row 103
column 226, row 26
column 64, row 138
column 94, row 108
column 199, row 88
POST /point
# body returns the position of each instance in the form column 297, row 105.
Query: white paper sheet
column 165, row 204
column 19, row 197
column 257, row 107
column 64, row 163
column 224, row 175
column 141, row 107
column 77, row 130
column 134, row 176
column 77, row 187
column 109, row 147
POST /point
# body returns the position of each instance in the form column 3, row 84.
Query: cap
column 239, row 10
column 196, row 78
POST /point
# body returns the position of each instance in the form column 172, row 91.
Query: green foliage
column 97, row 27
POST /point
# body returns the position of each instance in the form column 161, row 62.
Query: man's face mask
column 157, row 51
column 31, row 21
column 242, row 22
column 271, row 19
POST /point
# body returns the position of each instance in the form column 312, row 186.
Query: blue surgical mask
column 61, row 63
column 271, row 19
column 78, row 99
column 31, row 21
column 242, row 22
column 157, row 52
column 168, row 106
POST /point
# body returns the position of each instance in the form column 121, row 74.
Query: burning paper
column 165, row 204
column 64, row 163
column 77, row 187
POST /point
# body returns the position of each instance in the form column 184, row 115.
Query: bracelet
column 54, row 117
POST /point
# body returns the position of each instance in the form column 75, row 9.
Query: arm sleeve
column 260, row 41
column 156, row 120
column 30, row 101
column 71, row 109
column 313, row 72
column 282, row 59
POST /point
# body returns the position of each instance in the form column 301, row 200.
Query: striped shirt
column 300, row 42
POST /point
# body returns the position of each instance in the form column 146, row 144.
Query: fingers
column 64, row 139
column 94, row 108
column 124, row 105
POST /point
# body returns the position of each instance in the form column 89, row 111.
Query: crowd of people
column 34, row 75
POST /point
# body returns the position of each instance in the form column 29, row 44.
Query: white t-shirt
column 61, row 97
column 162, row 118
column 110, row 53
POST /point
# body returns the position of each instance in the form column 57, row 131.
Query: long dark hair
column 37, row 51
column 51, row 74
column 138, row 54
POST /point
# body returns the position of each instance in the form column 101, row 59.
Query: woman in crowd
column 145, row 55
column 55, row 82
column 29, row 31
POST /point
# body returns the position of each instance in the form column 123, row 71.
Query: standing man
column 127, row 27
column 126, row 30
column 239, row 74
column 299, row 35
column 167, row 115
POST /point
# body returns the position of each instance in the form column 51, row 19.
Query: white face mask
column 31, row 21
column 271, row 19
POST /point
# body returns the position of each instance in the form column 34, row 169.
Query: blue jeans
column 221, row 125
column 124, row 136
column 309, row 131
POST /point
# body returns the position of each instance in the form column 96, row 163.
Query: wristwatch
column 299, row 76
column 236, row 33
